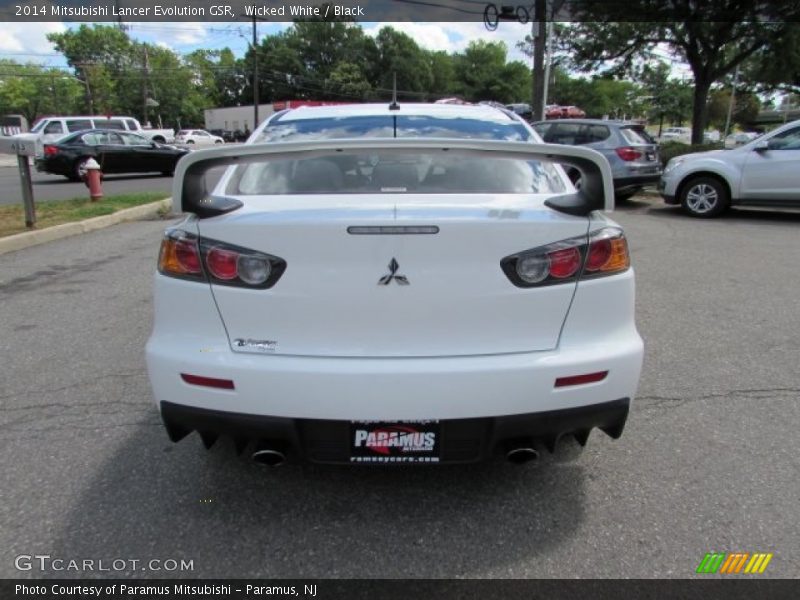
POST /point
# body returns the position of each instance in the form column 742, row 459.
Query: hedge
column 670, row 150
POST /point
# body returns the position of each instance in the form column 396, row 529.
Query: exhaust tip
column 268, row 457
column 522, row 455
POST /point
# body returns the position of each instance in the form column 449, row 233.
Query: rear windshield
column 388, row 126
column 635, row 135
column 397, row 172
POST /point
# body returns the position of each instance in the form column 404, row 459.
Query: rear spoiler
column 191, row 196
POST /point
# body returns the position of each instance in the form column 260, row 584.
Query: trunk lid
column 406, row 295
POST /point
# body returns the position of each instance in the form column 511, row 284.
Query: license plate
column 651, row 156
column 394, row 442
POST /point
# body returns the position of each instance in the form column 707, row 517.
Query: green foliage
column 670, row 150
column 33, row 91
column 710, row 42
column 482, row 73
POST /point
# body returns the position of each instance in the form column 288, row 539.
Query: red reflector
column 50, row 150
column 564, row 263
column 224, row 384
column 580, row 379
column 628, row 154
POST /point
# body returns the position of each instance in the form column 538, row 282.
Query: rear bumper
column 462, row 440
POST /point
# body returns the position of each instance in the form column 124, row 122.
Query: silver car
column 763, row 172
column 629, row 149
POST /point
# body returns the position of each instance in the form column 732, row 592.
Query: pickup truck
column 49, row 129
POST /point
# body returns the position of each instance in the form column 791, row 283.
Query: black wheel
column 159, row 140
column 704, row 197
column 78, row 169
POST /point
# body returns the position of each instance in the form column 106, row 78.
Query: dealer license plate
column 394, row 442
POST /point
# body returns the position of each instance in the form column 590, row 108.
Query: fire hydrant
column 93, row 178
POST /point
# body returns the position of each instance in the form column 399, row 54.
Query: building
column 241, row 117
column 235, row 118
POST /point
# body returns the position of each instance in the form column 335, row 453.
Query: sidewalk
column 8, row 160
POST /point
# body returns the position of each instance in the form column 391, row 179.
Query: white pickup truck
column 50, row 129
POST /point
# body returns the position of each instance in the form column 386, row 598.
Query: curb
column 19, row 241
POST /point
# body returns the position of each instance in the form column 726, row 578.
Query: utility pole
column 144, row 84
column 537, row 31
column 255, row 77
column 730, row 104
column 547, row 68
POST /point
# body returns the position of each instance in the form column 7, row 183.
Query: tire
column 159, row 140
column 77, row 169
column 704, row 197
column 190, row 142
column 218, row 142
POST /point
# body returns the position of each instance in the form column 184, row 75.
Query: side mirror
column 761, row 146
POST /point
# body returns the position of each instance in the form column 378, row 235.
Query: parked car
column 631, row 152
column 676, row 134
column 13, row 125
column 523, row 110
column 740, row 139
column 408, row 299
column 51, row 129
column 197, row 137
column 554, row 111
column 762, row 172
column 227, row 136
column 116, row 151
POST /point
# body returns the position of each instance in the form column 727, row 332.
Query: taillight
column 628, row 154
column 180, row 256
column 602, row 252
column 187, row 256
column 50, row 150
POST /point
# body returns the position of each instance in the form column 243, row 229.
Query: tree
column 34, row 91
column 483, row 74
column 100, row 56
column 399, row 54
column 705, row 37
column 667, row 98
column 777, row 66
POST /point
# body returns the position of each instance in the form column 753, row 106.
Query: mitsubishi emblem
column 387, row 279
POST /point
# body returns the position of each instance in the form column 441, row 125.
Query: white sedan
column 763, row 172
column 431, row 289
column 197, row 137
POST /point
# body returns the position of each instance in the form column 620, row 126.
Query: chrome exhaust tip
column 268, row 457
column 522, row 454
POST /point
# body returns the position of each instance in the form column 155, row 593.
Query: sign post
column 23, row 149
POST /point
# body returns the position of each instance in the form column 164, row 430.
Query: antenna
column 394, row 105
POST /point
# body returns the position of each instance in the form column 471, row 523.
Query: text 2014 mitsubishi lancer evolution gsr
column 375, row 284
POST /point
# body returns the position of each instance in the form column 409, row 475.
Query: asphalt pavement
column 708, row 461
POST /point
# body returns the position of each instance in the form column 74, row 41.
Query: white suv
column 764, row 172
column 394, row 297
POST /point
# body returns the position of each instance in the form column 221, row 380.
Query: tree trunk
column 700, row 109
column 537, row 104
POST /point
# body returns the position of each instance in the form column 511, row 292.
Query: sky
column 27, row 42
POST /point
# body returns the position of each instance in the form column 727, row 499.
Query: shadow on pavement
column 152, row 499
